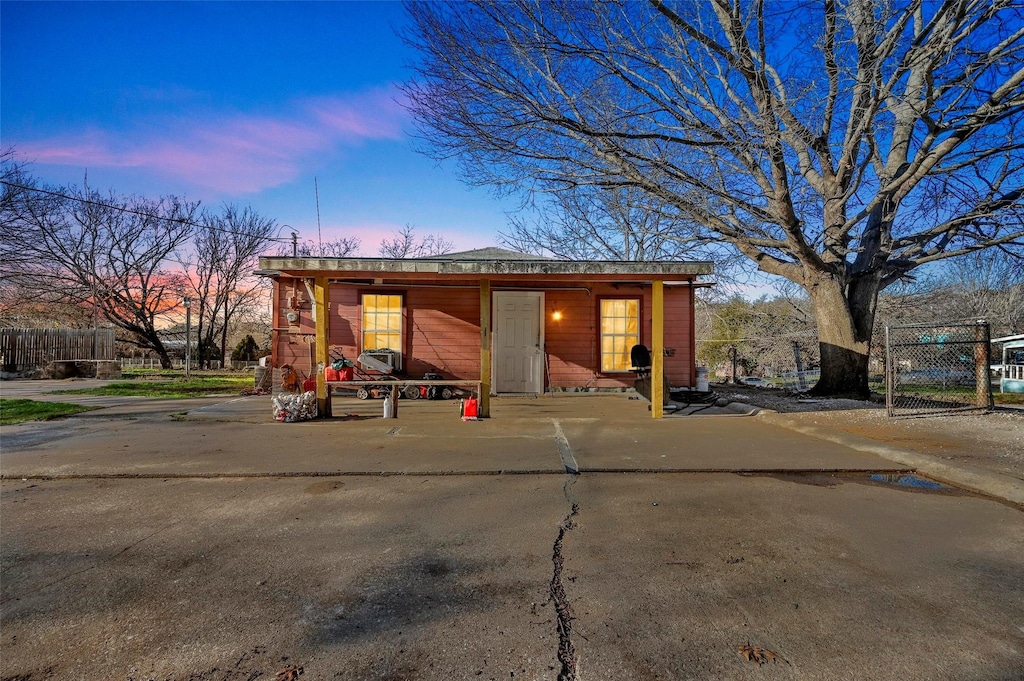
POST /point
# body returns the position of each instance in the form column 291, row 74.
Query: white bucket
column 702, row 380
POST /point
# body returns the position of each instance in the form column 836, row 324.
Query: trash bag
column 290, row 408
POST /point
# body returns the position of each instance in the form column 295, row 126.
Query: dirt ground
column 992, row 440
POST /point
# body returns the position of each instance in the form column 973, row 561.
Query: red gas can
column 469, row 409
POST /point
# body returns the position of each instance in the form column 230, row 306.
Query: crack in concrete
column 565, row 451
column 567, row 656
column 563, row 610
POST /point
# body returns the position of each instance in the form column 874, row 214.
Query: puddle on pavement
column 909, row 482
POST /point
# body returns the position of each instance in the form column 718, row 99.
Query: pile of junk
column 377, row 369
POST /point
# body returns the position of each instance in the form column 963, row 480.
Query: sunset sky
column 233, row 102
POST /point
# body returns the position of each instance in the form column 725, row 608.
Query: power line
column 140, row 213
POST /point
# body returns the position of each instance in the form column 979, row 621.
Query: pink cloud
column 371, row 234
column 90, row 148
column 349, row 116
column 231, row 154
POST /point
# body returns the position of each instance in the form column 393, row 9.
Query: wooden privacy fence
column 26, row 349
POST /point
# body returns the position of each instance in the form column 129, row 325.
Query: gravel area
column 993, row 441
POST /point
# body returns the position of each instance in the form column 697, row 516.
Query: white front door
column 518, row 342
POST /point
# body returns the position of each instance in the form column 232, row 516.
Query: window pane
column 382, row 322
column 620, row 324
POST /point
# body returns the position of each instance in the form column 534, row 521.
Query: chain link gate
column 937, row 368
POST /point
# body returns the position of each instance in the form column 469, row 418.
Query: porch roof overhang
column 468, row 269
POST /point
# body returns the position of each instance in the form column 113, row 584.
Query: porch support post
column 321, row 313
column 658, row 349
column 485, row 348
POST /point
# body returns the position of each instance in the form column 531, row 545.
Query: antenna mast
column 319, row 234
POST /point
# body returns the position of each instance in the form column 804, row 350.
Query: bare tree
column 985, row 285
column 619, row 223
column 342, row 247
column 111, row 253
column 20, row 304
column 226, row 248
column 406, row 244
column 761, row 333
column 839, row 145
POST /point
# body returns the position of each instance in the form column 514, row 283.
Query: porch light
column 557, row 315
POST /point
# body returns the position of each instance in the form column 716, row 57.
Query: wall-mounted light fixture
column 557, row 315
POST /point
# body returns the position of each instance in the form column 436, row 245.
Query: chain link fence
column 937, row 368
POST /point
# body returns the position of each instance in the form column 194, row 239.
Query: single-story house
column 516, row 323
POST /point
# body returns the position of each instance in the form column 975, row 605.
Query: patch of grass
column 132, row 373
column 194, row 387
column 19, row 411
column 1008, row 398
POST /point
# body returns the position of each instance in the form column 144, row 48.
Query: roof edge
column 478, row 266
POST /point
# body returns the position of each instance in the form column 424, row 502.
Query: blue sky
column 233, row 102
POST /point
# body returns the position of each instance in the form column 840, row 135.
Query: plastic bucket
column 703, row 384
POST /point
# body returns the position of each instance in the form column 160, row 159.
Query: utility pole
column 800, row 385
column 188, row 333
column 95, row 327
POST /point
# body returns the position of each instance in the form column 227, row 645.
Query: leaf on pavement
column 291, row 673
column 759, row 655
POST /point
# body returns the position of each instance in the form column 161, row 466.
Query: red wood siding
column 345, row 320
column 571, row 342
column 295, row 343
column 443, row 334
column 679, row 366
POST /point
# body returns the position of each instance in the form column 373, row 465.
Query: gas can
column 469, row 409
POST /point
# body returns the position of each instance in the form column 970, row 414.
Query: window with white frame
column 620, row 331
column 382, row 322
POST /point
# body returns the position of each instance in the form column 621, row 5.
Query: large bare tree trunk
column 845, row 316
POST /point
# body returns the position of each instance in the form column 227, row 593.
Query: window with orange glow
column 620, row 331
column 382, row 322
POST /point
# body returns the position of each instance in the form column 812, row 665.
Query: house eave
column 558, row 268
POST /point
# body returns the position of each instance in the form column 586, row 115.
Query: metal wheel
column 447, row 393
column 362, row 393
column 411, row 392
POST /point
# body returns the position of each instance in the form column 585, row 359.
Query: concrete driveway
column 238, row 436
column 564, row 538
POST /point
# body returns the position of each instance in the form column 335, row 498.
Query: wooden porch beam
column 658, row 349
column 322, row 315
column 485, row 349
